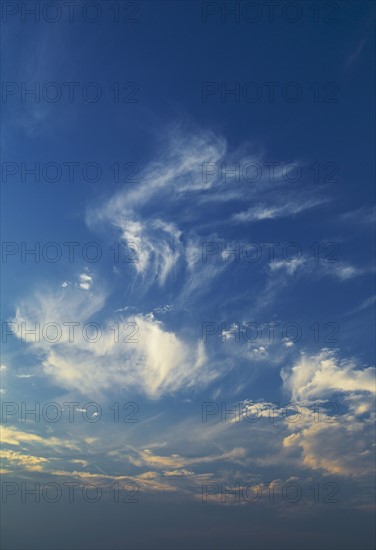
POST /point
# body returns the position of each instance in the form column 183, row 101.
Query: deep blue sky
column 169, row 138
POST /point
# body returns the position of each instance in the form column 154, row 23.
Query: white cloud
column 69, row 304
column 315, row 377
column 290, row 267
column 345, row 272
column 267, row 212
column 343, row 445
column 86, row 281
column 141, row 354
column 153, row 248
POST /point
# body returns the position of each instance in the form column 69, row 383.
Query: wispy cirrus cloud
column 268, row 212
column 154, row 361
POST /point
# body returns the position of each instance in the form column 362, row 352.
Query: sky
column 188, row 275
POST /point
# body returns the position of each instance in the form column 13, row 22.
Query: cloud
column 27, row 462
column 86, row 281
column 161, row 222
column 345, row 271
column 344, row 445
column 267, row 212
column 137, row 352
column 161, row 219
column 365, row 215
column 155, row 246
column 315, row 377
column 148, row 482
column 143, row 216
column 177, row 462
column 13, row 436
column 343, row 449
column 71, row 304
column 363, row 305
column 290, row 267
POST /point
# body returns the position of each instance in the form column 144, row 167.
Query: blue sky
column 221, row 168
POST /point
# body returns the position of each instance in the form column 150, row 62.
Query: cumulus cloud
column 343, row 444
column 318, row 376
column 344, row 448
